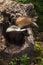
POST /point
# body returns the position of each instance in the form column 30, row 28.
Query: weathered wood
column 17, row 10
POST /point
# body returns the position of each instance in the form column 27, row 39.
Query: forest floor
column 6, row 59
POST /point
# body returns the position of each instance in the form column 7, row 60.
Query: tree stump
column 17, row 10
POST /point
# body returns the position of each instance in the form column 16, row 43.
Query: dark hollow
column 16, row 38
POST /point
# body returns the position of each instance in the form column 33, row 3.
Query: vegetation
column 40, row 60
column 12, row 62
column 39, row 9
column 37, row 47
column 25, row 59
column 1, row 59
